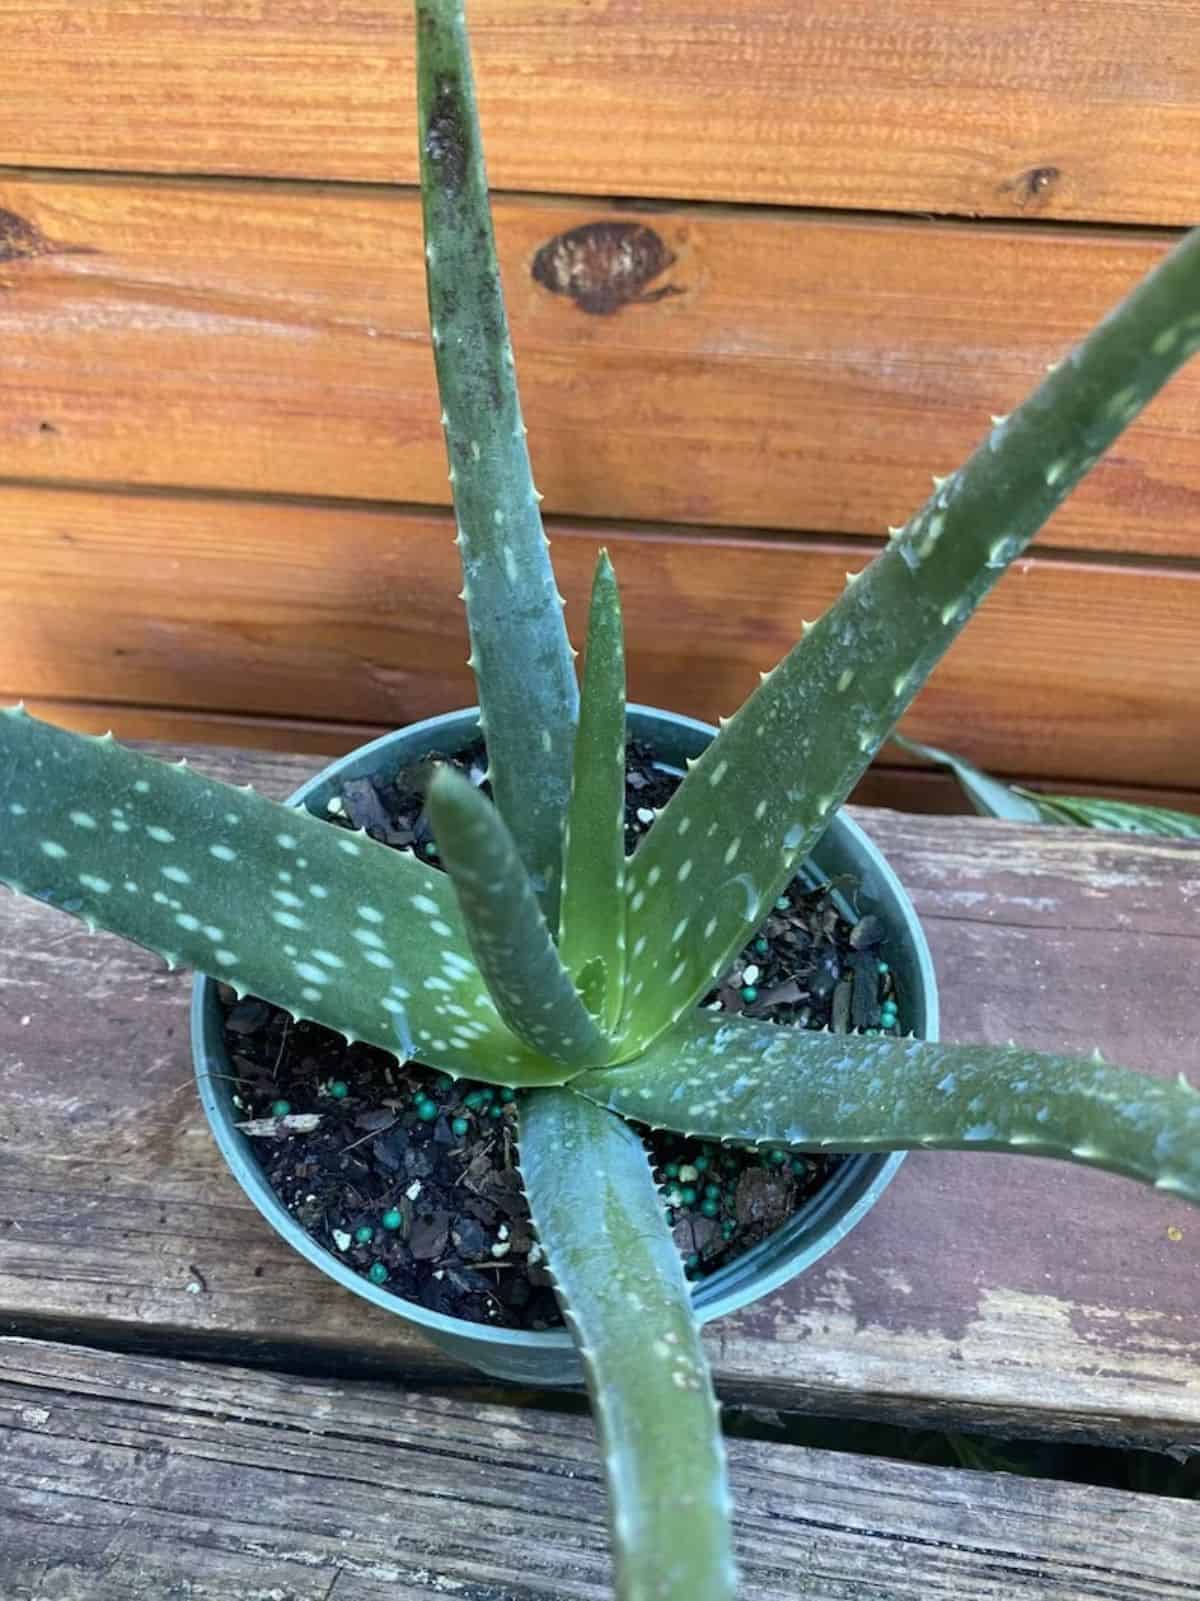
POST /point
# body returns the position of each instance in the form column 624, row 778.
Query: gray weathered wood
column 1005, row 1291
column 133, row 1479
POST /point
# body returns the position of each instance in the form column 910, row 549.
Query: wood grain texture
column 129, row 1479
column 811, row 373
column 350, row 615
column 294, row 734
column 1085, row 109
column 1000, row 1292
column 903, row 788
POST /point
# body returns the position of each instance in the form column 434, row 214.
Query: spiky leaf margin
column 520, row 653
column 754, row 804
column 314, row 918
column 623, row 1294
column 752, row 1082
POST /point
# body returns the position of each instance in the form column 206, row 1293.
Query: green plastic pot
column 844, row 853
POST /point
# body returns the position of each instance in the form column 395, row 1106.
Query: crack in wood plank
column 145, row 1475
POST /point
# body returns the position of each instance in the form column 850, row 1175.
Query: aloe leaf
column 314, row 918
column 592, row 920
column 519, row 648
column 763, row 791
column 592, row 983
column 741, row 1080
column 1127, row 817
column 532, row 990
column 626, row 1301
column 989, row 796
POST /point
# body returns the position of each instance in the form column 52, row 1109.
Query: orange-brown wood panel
column 1071, row 670
column 803, row 372
column 295, row 735
column 887, row 783
column 1082, row 109
column 904, row 789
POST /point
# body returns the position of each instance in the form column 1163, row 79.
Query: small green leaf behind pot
column 992, row 798
column 1092, row 811
column 989, row 796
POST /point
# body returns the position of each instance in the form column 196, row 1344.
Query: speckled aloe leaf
column 520, row 964
column 1126, row 817
column 592, row 917
column 992, row 798
column 736, row 1079
column 519, row 648
column 757, row 800
column 314, row 918
column 619, row 1280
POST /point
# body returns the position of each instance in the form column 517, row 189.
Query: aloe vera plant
column 542, row 959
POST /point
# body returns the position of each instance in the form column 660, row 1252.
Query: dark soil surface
column 410, row 1177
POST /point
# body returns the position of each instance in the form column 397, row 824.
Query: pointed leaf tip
column 506, row 928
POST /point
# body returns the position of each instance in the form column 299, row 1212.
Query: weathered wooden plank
column 124, row 1478
column 1085, row 109
column 1003, row 1291
column 904, row 788
column 351, row 615
column 802, row 372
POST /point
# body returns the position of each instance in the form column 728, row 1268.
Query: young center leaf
column 532, row 990
column 592, row 921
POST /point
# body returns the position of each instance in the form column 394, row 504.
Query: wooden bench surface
column 126, row 1478
column 999, row 1292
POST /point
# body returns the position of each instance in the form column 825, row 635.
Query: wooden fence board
column 811, row 372
column 123, row 1478
column 892, row 781
column 1085, row 109
column 1000, row 1292
column 1069, row 670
